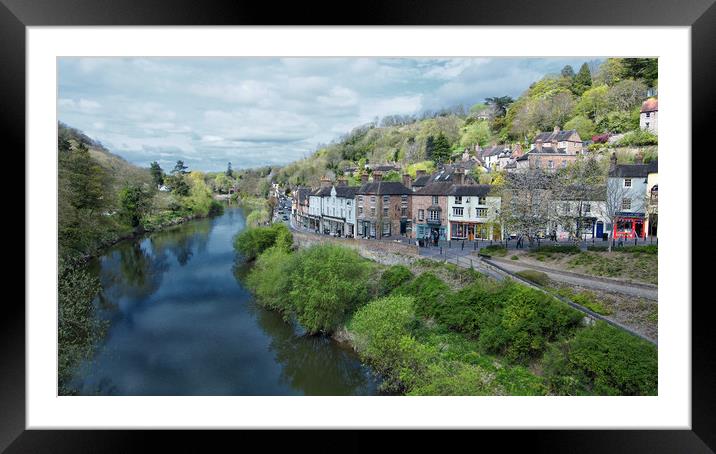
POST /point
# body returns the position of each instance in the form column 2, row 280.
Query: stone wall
column 384, row 252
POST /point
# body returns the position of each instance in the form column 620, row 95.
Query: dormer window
column 458, row 199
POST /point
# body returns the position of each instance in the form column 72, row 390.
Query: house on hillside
column 628, row 189
column 447, row 173
column 383, row 208
column 473, row 214
column 552, row 150
column 580, row 214
column 648, row 115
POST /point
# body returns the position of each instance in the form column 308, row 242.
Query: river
column 182, row 323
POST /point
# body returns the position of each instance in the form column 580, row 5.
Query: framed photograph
column 443, row 217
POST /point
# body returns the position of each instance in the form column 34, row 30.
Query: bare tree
column 615, row 196
column 527, row 200
column 575, row 191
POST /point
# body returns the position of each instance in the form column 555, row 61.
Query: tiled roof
column 634, row 170
column 384, row 188
column 436, row 188
column 477, row 190
column 554, row 136
column 347, row 192
column 650, row 105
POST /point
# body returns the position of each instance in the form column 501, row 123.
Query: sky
column 266, row 111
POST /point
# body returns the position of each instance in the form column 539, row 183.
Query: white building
column 473, row 213
column 649, row 115
column 338, row 209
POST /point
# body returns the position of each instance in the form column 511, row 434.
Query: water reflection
column 183, row 324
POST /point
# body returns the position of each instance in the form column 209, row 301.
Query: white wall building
column 338, row 209
column 473, row 214
column 649, row 116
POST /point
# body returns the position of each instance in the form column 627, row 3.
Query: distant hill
column 118, row 168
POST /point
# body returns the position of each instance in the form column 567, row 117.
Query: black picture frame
column 16, row 15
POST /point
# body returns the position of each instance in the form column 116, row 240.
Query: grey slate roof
column 477, row 190
column 347, row 192
column 554, row 136
column 634, row 170
column 384, row 188
column 435, row 188
column 302, row 194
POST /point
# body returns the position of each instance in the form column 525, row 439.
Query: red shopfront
column 629, row 226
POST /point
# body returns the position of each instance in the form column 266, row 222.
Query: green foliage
column 514, row 257
column 78, row 328
column 441, row 149
column 537, row 277
column 253, row 241
column 583, row 125
column 593, row 103
column 619, row 122
column 475, row 133
column 331, row 283
column 157, row 173
column 427, row 166
column 646, row 69
column 602, row 360
column 394, row 277
column 585, row 298
column 392, row 175
column 270, row 279
column 134, row 202
column 429, row 293
column 494, row 250
column 638, row 138
column 582, row 81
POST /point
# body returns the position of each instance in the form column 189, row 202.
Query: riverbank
column 435, row 329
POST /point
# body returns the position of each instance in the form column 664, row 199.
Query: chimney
column 407, row 181
column 342, row 182
column 612, row 162
column 325, row 182
column 363, row 178
column 377, row 176
column 638, row 158
column 459, row 176
column 419, row 173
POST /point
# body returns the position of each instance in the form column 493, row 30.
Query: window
column 626, row 203
column 386, row 229
column 566, row 207
column 550, row 164
column 360, row 199
column 457, row 211
column 421, row 215
column 435, row 215
column 648, row 115
column 404, row 212
column 481, row 200
column 348, row 202
column 385, row 211
column 360, row 211
column 627, row 182
column 564, row 164
column 481, row 212
column 404, row 198
column 587, row 208
column 435, row 200
column 372, row 200
column 386, row 199
column 458, row 199
column 372, row 211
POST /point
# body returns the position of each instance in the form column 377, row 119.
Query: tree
column 610, row 72
column 500, row 103
column 626, row 94
column 180, row 168
column 527, row 198
column 475, row 133
column 157, row 173
column 646, row 69
column 582, row 81
column 441, row 151
column 583, row 125
column 429, row 147
column 594, row 102
column 134, row 203
column 567, row 72
column 229, row 172
column 575, row 190
column 614, row 199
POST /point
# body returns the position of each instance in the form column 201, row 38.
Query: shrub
column 602, row 360
column 537, row 277
column 509, row 318
column 331, row 282
column 253, row 241
column 557, row 248
column 495, row 249
column 514, row 257
column 429, row 292
column 394, row 277
column 585, row 298
column 597, row 248
column 269, row 279
column 638, row 138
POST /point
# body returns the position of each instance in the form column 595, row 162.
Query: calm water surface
column 182, row 323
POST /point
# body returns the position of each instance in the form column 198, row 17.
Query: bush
column 394, row 277
column 638, row 138
column 597, row 248
column 494, row 249
column 253, row 241
column 585, row 298
column 508, row 318
column 429, row 292
column 557, row 248
column 514, row 257
column 537, row 277
column 269, row 279
column 331, row 282
column 602, row 360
